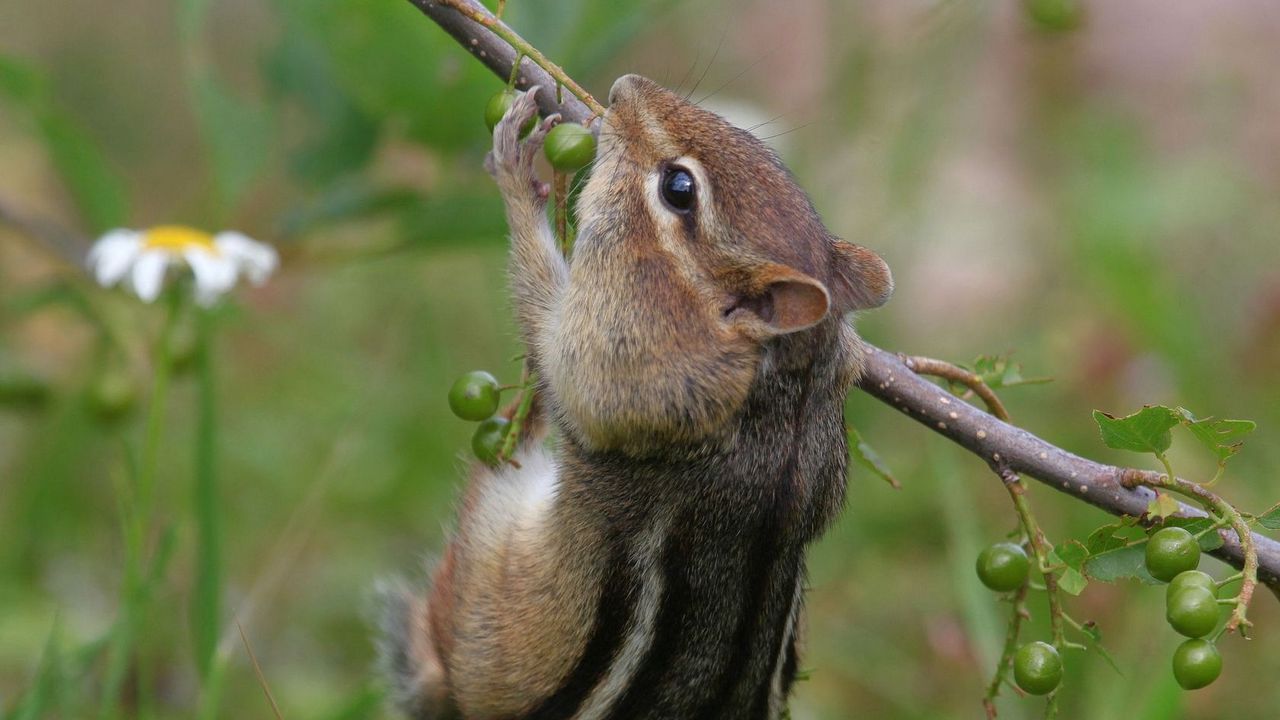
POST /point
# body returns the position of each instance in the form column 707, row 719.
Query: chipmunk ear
column 782, row 300
column 860, row 278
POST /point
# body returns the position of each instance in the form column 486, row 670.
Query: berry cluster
column 474, row 397
column 1191, row 604
column 569, row 147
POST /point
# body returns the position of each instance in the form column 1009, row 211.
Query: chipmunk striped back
column 693, row 360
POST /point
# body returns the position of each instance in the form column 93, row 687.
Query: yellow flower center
column 176, row 238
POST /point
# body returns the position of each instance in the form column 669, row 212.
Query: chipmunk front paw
column 511, row 160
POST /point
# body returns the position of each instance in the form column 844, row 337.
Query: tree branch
column 890, row 380
column 1003, row 446
column 498, row 55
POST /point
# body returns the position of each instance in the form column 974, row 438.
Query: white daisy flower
column 145, row 256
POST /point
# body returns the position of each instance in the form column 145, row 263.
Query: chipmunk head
column 697, row 250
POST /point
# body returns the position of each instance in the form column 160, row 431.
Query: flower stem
column 206, row 598
column 156, row 412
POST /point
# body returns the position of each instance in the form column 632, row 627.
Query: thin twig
column 887, row 378
column 496, row 45
column 957, row 374
column 1019, row 613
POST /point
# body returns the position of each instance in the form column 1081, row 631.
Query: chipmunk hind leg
column 408, row 656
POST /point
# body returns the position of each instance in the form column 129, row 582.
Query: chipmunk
column 693, row 358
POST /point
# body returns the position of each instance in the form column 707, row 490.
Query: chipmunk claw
column 511, row 162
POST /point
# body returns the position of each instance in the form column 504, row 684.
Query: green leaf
column 21, row 390
column 81, row 165
column 20, row 82
column 1271, row 518
column 43, row 689
column 867, row 457
column 345, row 202
column 1121, row 563
column 1144, row 431
column 1073, row 554
column 364, row 703
column 237, row 135
column 999, row 371
column 1162, row 506
column 1105, row 538
column 94, row 187
column 1072, row 581
column 342, row 137
column 1220, row 436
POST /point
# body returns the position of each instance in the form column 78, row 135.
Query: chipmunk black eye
column 677, row 189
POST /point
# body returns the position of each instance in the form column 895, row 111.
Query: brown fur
column 695, row 366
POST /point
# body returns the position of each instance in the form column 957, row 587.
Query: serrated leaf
column 1105, row 538
column 1270, row 519
column 1220, row 436
column 867, row 457
column 1145, row 431
column 1122, row 563
column 1072, row 581
column 1073, row 554
column 1162, row 506
column 1000, row 371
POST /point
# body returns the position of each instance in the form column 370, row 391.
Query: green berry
column 1193, row 612
column 1171, row 551
column 1003, row 566
column 1055, row 15
column 487, row 442
column 113, row 394
column 1196, row 663
column 1037, row 668
column 569, row 147
column 474, row 396
column 1189, row 579
column 498, row 106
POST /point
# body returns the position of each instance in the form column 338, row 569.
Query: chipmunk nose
column 624, row 85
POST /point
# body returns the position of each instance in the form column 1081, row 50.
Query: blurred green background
column 1100, row 196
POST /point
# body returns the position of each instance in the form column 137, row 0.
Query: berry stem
column 956, row 375
column 1040, row 547
column 522, row 47
column 518, row 418
column 1222, row 511
column 1018, row 613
